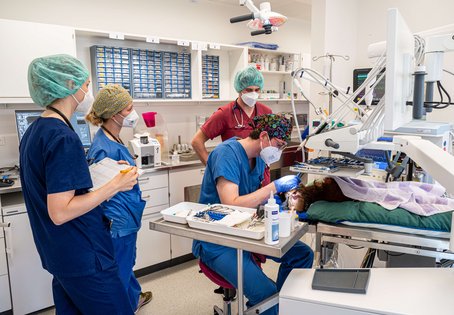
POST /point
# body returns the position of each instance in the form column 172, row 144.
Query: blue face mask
column 270, row 154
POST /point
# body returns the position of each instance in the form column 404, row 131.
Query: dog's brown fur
column 302, row 197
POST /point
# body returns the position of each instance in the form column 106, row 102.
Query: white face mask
column 87, row 102
column 131, row 120
column 250, row 98
column 270, row 154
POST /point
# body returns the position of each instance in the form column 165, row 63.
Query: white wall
column 420, row 15
column 201, row 20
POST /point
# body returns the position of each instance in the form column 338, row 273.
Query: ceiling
column 300, row 9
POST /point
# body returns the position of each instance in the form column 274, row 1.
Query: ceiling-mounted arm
column 263, row 20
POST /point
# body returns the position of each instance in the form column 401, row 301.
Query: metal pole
column 240, row 281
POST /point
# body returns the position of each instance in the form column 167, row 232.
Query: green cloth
column 367, row 212
column 54, row 77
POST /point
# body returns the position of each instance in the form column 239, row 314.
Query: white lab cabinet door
column 31, row 285
column 152, row 247
column 179, row 180
column 21, row 43
column 5, row 298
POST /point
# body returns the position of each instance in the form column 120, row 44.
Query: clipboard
column 105, row 170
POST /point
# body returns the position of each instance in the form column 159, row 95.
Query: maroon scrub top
column 231, row 121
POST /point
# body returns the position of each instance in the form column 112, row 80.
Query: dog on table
column 300, row 198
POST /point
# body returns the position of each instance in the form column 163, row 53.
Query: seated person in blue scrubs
column 232, row 177
column 70, row 230
column 112, row 110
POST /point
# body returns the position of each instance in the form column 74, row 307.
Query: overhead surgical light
column 263, row 21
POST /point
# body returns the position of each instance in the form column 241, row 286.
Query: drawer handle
column 143, row 179
column 9, row 240
column 202, row 172
column 146, row 197
column 12, row 211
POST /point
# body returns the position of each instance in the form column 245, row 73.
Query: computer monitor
column 24, row 118
column 359, row 76
column 82, row 129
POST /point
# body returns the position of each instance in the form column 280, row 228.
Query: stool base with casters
column 228, row 291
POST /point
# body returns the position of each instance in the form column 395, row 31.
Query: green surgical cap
column 54, row 77
column 248, row 77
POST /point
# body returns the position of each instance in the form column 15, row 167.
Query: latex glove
column 286, row 183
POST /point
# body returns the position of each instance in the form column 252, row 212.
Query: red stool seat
column 213, row 276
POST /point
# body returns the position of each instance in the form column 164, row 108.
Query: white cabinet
column 179, row 180
column 5, row 298
column 22, row 42
column 152, row 247
column 31, row 285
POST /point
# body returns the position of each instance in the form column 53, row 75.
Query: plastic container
column 157, row 128
column 175, row 158
column 271, row 221
column 150, row 119
column 179, row 212
column 285, row 223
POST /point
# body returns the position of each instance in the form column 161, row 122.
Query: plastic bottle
column 271, row 221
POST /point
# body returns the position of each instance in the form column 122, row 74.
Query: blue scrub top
column 52, row 160
column 228, row 160
column 125, row 209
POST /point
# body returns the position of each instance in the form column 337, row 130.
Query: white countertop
column 415, row 291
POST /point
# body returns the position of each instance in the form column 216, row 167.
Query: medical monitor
column 359, row 76
column 400, row 48
column 24, row 118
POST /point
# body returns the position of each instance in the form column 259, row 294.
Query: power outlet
column 2, row 140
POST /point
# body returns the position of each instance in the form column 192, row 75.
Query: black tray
column 341, row 280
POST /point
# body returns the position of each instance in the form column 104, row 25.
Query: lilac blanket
column 419, row 198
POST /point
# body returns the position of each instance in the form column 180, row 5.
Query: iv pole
column 331, row 60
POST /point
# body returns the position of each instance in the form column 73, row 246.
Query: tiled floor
column 183, row 290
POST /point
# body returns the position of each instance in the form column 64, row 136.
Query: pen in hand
column 126, row 170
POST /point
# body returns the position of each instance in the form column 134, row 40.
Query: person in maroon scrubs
column 232, row 120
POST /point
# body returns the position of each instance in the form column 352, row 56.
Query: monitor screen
column 359, row 76
column 82, row 128
column 24, row 118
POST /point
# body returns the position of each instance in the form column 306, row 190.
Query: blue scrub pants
column 257, row 286
column 125, row 256
column 99, row 293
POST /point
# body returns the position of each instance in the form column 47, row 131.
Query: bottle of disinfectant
column 271, row 221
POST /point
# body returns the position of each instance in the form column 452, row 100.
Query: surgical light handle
column 242, row 18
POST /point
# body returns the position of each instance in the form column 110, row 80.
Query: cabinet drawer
column 153, row 180
column 5, row 298
column 156, row 197
column 157, row 209
column 3, row 266
column 152, row 247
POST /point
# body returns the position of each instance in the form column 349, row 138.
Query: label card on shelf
column 183, row 43
column 117, row 36
column 214, row 46
column 203, row 46
column 152, row 39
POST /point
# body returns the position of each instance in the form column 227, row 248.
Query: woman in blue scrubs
column 232, row 177
column 69, row 228
column 112, row 110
